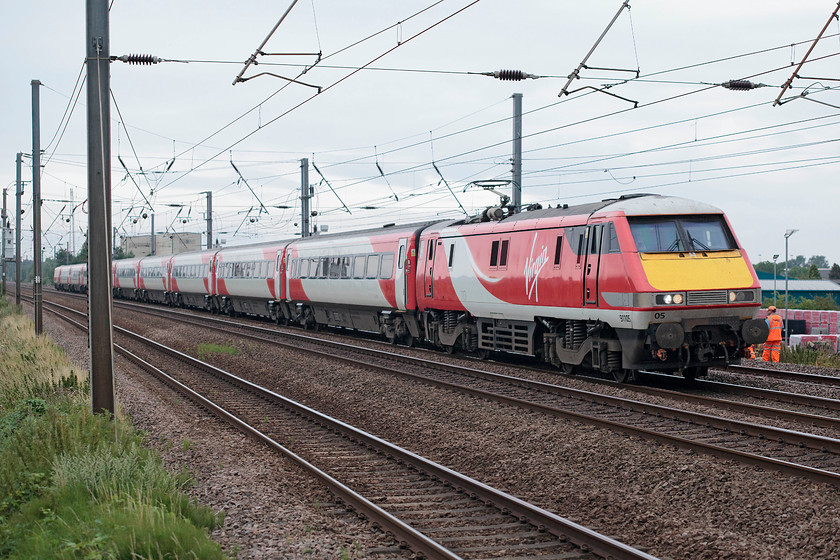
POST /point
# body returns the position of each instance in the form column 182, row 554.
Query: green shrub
column 822, row 357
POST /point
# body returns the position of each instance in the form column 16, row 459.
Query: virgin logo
column 533, row 266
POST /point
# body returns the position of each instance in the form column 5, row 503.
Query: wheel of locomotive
column 408, row 340
column 569, row 369
column 621, row 375
column 483, row 354
column 449, row 348
column 391, row 337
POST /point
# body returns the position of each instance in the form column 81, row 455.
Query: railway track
column 433, row 510
column 788, row 375
column 792, row 452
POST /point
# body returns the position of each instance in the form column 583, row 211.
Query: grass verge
column 205, row 350
column 77, row 485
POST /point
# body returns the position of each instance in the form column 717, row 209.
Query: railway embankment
column 78, row 485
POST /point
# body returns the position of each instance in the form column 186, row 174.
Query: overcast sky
column 375, row 133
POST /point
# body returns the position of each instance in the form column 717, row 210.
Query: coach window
column 372, row 266
column 359, row 266
column 593, row 246
column 345, row 267
column 335, row 267
column 303, row 268
column 503, row 254
column 613, row 247
column 558, row 248
column 494, row 254
column 325, row 268
column 386, row 267
column 581, row 245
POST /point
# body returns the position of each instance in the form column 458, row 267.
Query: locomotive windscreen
column 679, row 234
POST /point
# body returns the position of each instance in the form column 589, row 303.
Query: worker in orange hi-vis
column 773, row 346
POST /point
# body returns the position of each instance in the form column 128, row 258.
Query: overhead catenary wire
column 344, row 78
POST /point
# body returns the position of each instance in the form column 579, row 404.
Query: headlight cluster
column 739, row 296
column 670, row 299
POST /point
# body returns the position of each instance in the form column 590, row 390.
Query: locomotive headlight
column 669, row 299
column 740, row 296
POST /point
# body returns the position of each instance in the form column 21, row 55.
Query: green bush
column 822, row 357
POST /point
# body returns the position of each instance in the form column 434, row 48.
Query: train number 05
column 659, row 316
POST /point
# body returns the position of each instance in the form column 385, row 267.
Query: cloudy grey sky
column 425, row 102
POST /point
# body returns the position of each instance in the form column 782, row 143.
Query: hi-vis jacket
column 775, row 324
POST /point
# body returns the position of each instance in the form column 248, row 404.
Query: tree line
column 800, row 268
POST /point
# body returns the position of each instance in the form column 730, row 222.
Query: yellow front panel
column 673, row 272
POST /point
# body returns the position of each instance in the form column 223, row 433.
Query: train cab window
column 681, row 234
column 386, row 266
column 494, row 254
column 707, row 234
column 451, row 254
column 558, row 248
column 359, row 266
column 372, row 266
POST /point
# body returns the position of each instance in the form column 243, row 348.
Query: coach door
column 399, row 277
column 429, row 271
column 594, row 238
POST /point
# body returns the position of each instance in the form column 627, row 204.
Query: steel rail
column 782, row 374
column 756, row 392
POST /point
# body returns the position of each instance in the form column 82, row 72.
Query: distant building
column 808, row 289
column 165, row 244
